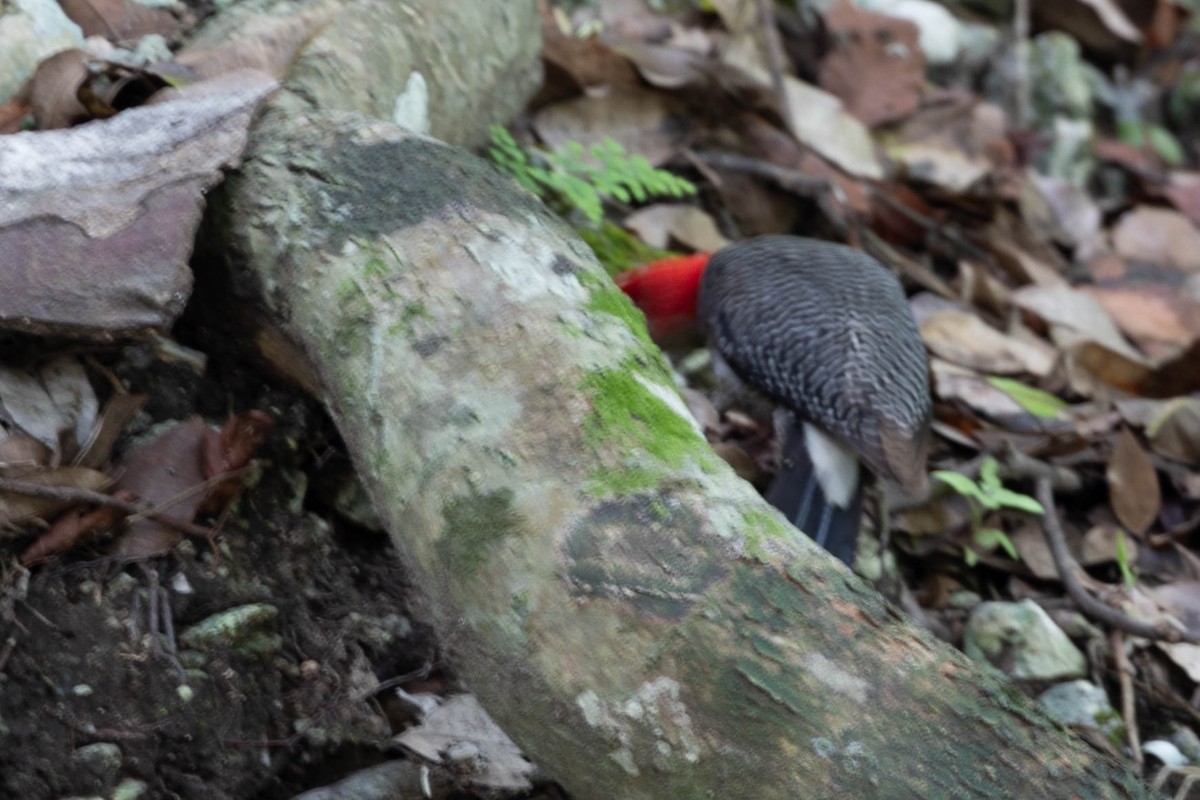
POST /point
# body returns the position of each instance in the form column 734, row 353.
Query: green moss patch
column 617, row 249
column 759, row 526
column 473, row 525
column 631, row 423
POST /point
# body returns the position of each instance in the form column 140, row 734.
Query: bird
column 825, row 332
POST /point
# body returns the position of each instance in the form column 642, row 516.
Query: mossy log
column 625, row 607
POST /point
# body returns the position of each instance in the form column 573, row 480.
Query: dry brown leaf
column 962, row 338
column 20, row 453
column 1174, row 431
column 1098, row 24
column 815, row 117
column 668, row 225
column 16, row 509
column 231, row 449
column 1159, row 317
column 644, row 122
column 1133, row 489
column 166, row 472
column 1158, row 236
column 757, row 207
column 980, row 289
column 946, row 141
column 1021, row 260
column 935, row 518
column 954, row 383
column 1077, row 311
column 875, row 64
column 1181, row 600
column 1138, row 160
column 462, row 719
column 901, row 216
column 1101, row 544
column 52, row 402
column 702, row 409
column 586, row 62
column 661, row 66
column 120, row 20
column 738, row 16
column 53, row 87
column 120, row 408
column 1030, row 541
column 1074, row 216
column 1183, row 190
column 818, row 120
column 740, row 461
column 70, row 529
column 853, row 198
column 635, row 19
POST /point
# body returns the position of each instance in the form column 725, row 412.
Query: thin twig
column 825, row 192
column 10, row 644
column 77, row 494
column 1089, row 605
column 1116, row 640
column 770, row 33
column 793, row 180
column 420, row 673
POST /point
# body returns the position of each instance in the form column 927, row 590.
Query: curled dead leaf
column 1133, row 486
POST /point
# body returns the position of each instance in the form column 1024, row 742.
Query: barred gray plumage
column 825, row 331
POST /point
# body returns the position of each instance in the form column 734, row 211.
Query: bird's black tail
column 797, row 492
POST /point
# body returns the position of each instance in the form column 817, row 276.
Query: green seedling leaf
column 1165, row 144
column 583, row 179
column 1127, row 575
column 970, row 557
column 990, row 538
column 1129, row 131
column 1042, row 405
column 1021, row 502
column 989, row 475
column 959, row 483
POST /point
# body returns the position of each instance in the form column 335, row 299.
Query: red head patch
column 666, row 291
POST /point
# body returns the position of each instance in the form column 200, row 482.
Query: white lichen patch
column 655, row 709
column 662, row 706
column 830, row 674
column 412, row 105
column 524, row 262
column 624, row 757
column 726, row 500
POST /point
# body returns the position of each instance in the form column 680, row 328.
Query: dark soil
column 283, row 701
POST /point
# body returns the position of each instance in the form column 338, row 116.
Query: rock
column 1082, row 703
column 1021, row 640
column 250, row 629
column 94, row 767
column 391, row 780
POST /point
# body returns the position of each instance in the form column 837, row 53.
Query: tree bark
column 625, row 607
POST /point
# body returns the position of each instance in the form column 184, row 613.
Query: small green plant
column 582, row 178
column 987, row 494
column 1127, row 575
column 1040, row 404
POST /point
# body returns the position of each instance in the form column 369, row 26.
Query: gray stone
column 1082, row 703
column 95, row 766
column 1021, row 640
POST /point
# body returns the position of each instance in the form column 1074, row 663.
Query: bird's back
column 825, row 330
